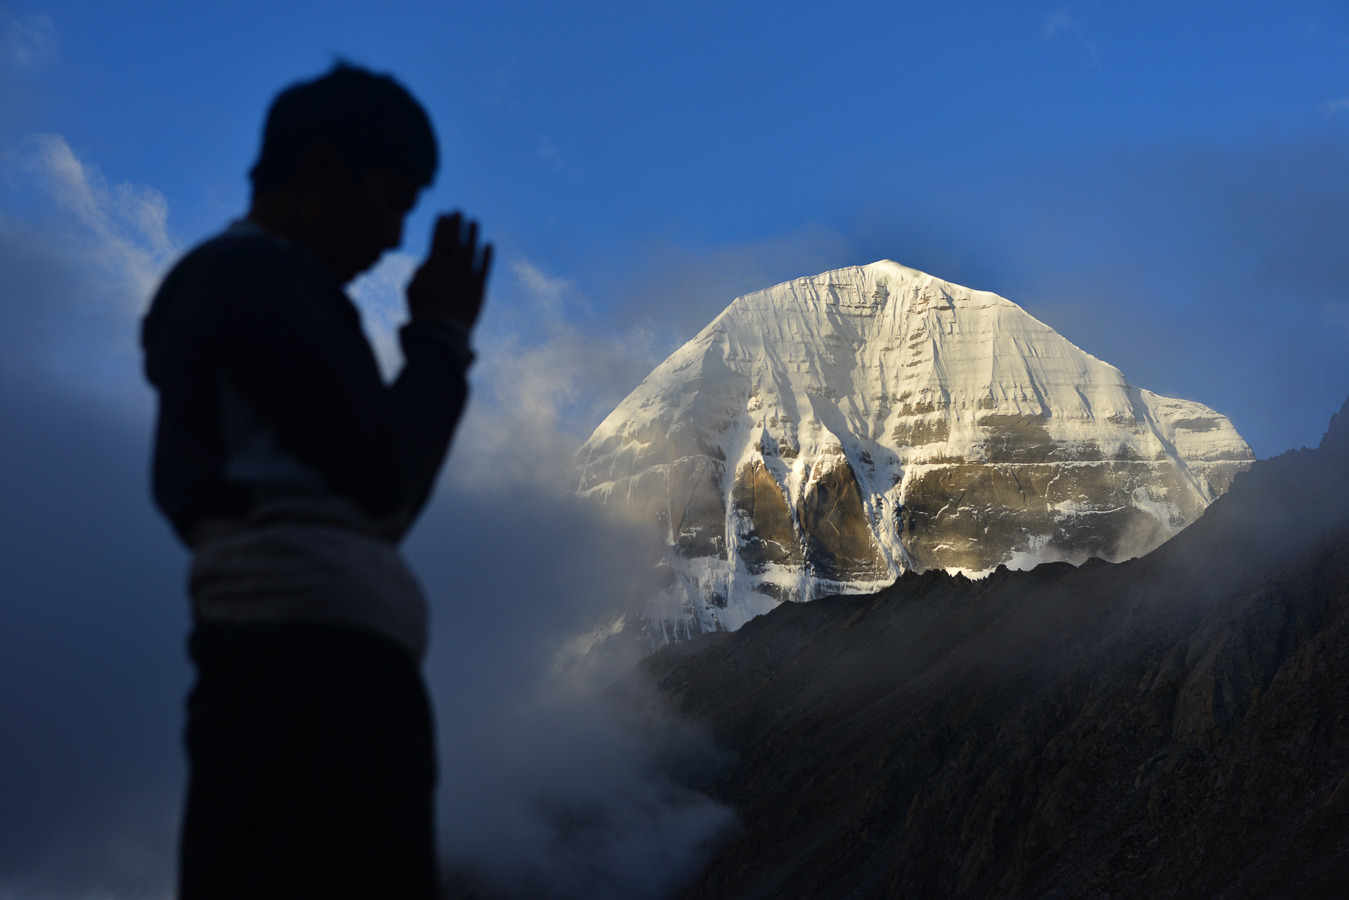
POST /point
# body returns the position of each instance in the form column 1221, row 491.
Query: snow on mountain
column 824, row 435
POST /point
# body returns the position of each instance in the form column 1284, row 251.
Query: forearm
column 432, row 386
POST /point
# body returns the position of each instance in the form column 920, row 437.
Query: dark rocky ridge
column 1173, row 726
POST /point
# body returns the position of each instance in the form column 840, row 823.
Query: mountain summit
column 829, row 433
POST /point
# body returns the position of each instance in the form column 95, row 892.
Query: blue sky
column 1165, row 184
column 1111, row 167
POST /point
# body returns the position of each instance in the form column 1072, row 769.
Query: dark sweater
column 268, row 388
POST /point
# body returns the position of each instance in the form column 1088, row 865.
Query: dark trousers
column 311, row 767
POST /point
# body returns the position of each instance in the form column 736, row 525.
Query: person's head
column 343, row 158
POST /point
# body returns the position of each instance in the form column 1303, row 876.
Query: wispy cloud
column 544, row 291
column 547, row 372
column 1064, row 24
column 123, row 226
column 1336, row 106
column 82, row 257
column 26, row 41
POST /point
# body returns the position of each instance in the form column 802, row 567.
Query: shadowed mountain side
column 1176, row 725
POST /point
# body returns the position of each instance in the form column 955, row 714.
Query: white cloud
column 123, row 227
column 542, row 290
column 82, row 259
column 1334, row 107
column 542, row 381
column 26, row 40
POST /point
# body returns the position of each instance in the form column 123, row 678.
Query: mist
column 551, row 785
column 554, row 783
column 557, row 780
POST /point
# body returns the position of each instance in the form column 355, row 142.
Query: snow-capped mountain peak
column 826, row 434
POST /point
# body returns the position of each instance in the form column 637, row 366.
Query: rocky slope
column 827, row 434
column 1173, row 726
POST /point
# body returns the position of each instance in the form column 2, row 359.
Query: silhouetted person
column 292, row 470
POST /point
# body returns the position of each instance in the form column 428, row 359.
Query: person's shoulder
column 244, row 270
column 238, row 274
column 238, row 252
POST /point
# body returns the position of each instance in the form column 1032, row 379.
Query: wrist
column 442, row 333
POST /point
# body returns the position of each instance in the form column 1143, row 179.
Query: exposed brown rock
column 915, row 431
column 771, row 536
column 839, row 541
column 959, row 514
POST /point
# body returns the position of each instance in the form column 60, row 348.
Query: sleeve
column 292, row 347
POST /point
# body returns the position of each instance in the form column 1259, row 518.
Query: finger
column 445, row 240
column 485, row 265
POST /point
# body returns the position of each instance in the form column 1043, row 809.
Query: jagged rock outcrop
column 827, row 434
column 1173, row 726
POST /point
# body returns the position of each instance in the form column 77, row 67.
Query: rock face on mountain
column 828, row 434
column 1172, row 726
